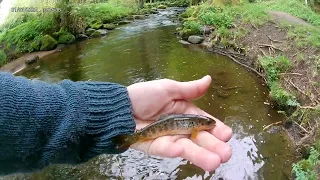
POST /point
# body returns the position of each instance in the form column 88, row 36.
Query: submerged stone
column 82, row 37
column 89, row 31
column 184, row 42
column 99, row 32
column 195, row 39
column 124, row 22
column 32, row 60
column 109, row 26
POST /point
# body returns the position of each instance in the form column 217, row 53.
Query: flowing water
column 146, row 50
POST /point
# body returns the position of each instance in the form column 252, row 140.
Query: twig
column 273, row 40
column 312, row 84
column 298, row 52
column 303, row 92
column 301, row 127
column 272, row 124
column 230, row 88
column 291, row 74
column 271, row 46
column 309, row 107
column 262, row 52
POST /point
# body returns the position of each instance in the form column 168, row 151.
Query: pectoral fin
column 194, row 134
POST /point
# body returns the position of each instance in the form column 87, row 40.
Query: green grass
column 20, row 36
column 104, row 12
column 305, row 169
column 273, row 66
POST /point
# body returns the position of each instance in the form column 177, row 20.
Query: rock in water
column 32, row 60
column 90, row 31
column 124, row 22
column 82, row 37
column 109, row 26
column 184, row 42
column 195, row 39
column 99, row 32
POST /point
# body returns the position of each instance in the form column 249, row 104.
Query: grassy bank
column 281, row 40
column 28, row 32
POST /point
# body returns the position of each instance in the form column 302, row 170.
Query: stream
column 148, row 49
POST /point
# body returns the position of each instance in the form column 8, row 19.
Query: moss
column 161, row 6
column 97, row 25
column 109, row 26
column 95, row 34
column 66, row 38
column 48, row 43
column 3, row 57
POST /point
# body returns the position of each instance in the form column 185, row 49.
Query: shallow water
column 147, row 50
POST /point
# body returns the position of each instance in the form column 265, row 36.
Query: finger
column 189, row 90
column 208, row 141
column 199, row 156
column 221, row 131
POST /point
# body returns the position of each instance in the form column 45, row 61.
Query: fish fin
column 194, row 134
column 123, row 141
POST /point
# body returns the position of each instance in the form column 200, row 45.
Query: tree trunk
column 141, row 3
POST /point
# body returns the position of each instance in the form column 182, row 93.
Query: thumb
column 189, row 90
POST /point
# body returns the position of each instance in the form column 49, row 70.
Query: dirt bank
column 19, row 64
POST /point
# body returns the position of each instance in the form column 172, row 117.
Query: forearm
column 68, row 122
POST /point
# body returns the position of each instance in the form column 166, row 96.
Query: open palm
column 161, row 97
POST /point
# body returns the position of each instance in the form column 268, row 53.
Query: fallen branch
column 303, row 92
column 230, row 88
column 270, row 46
column 273, row 40
column 298, row 52
column 291, row 74
column 231, row 57
column 262, row 52
column 272, row 124
column 301, row 127
column 309, row 107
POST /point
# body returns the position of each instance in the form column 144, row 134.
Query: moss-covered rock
column 36, row 43
column 90, row 31
column 185, row 33
column 109, row 26
column 99, row 33
column 97, row 25
column 161, row 6
column 3, row 57
column 48, row 43
column 66, row 38
column 124, row 22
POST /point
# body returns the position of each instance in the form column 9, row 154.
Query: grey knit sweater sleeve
column 67, row 122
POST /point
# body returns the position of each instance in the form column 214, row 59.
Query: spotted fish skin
column 173, row 124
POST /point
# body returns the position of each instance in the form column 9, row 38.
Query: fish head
column 209, row 122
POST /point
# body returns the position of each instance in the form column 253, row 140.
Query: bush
column 3, row 57
column 216, row 17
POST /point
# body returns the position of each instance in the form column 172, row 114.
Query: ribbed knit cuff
column 109, row 114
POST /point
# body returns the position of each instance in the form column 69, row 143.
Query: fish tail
column 123, row 141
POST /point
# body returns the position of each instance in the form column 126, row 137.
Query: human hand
column 162, row 97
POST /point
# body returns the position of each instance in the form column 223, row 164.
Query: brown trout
column 174, row 124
